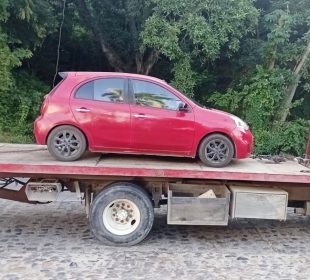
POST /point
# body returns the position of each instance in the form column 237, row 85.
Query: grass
column 6, row 137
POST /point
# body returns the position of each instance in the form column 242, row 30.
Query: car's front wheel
column 216, row 150
column 66, row 143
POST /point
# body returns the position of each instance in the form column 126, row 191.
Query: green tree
column 288, row 45
column 20, row 106
column 193, row 33
column 116, row 26
column 8, row 58
column 265, row 92
column 23, row 26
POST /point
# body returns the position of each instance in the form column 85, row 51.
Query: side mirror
column 183, row 107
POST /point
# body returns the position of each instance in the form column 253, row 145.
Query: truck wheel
column 66, row 143
column 121, row 215
column 216, row 150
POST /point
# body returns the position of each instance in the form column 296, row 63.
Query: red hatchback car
column 129, row 113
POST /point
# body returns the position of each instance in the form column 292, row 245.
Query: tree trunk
column 147, row 64
column 272, row 60
column 139, row 63
column 144, row 61
column 113, row 58
column 287, row 101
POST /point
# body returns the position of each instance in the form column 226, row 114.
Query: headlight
column 240, row 123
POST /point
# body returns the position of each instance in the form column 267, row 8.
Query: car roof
column 109, row 74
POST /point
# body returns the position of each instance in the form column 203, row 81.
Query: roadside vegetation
column 251, row 58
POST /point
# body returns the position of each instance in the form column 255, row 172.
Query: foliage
column 22, row 27
column 258, row 99
column 8, row 58
column 264, row 97
column 289, row 138
column 20, row 105
column 184, row 76
column 116, row 27
column 197, row 30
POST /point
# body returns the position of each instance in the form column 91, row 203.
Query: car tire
column 216, row 150
column 121, row 215
column 66, row 143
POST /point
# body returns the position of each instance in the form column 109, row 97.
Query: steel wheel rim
column 67, row 143
column 216, row 151
column 121, row 217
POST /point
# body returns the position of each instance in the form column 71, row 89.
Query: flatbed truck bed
column 34, row 161
column 120, row 191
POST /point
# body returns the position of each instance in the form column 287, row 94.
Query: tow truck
column 120, row 192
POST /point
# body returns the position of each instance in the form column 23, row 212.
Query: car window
column 110, row 90
column 152, row 95
column 85, row 91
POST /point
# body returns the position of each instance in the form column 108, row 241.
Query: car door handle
column 82, row 110
column 139, row 116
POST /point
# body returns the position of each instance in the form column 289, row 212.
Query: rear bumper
column 244, row 143
column 41, row 128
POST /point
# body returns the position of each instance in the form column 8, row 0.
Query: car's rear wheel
column 66, row 143
column 216, row 150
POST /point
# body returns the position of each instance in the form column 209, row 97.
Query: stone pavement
column 53, row 242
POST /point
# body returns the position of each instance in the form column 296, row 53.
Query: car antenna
column 59, row 40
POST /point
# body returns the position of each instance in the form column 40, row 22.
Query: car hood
column 215, row 117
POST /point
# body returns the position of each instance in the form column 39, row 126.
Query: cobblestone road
column 53, row 242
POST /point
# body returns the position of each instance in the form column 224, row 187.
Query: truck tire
column 66, row 143
column 216, row 150
column 121, row 214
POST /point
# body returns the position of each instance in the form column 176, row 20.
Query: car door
column 158, row 126
column 100, row 107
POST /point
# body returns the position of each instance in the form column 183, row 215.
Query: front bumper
column 244, row 142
